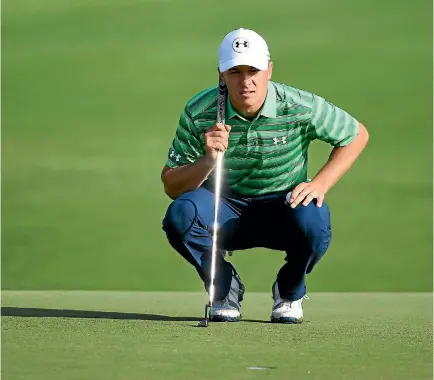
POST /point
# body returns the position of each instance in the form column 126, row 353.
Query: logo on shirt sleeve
column 174, row 156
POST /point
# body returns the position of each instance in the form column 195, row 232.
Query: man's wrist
column 208, row 162
column 323, row 183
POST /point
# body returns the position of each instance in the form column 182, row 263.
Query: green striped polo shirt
column 268, row 154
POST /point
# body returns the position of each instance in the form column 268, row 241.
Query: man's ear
column 270, row 69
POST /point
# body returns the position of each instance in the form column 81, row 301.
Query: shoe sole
column 218, row 318
column 286, row 320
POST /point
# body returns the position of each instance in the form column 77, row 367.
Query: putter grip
column 221, row 103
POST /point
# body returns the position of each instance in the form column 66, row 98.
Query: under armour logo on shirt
column 277, row 141
column 240, row 45
column 173, row 155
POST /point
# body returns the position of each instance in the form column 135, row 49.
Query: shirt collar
column 268, row 109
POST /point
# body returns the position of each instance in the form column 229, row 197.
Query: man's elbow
column 363, row 133
column 168, row 189
column 169, row 192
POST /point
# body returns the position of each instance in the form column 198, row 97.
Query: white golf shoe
column 229, row 309
column 285, row 311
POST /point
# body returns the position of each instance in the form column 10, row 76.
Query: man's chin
column 248, row 102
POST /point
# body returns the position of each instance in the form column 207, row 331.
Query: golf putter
column 221, row 115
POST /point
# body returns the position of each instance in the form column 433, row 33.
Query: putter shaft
column 221, row 116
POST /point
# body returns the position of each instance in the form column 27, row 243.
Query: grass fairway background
column 106, row 335
column 91, row 95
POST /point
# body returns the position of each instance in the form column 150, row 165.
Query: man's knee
column 315, row 224
column 180, row 217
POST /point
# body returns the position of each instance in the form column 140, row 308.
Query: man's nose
column 246, row 78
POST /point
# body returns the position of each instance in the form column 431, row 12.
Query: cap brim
column 260, row 63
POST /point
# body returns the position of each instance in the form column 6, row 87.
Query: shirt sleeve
column 186, row 146
column 331, row 124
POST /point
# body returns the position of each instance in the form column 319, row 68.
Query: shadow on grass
column 65, row 313
column 62, row 313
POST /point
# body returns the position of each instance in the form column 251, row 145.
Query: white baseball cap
column 243, row 47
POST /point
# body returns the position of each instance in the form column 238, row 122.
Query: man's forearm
column 185, row 178
column 341, row 159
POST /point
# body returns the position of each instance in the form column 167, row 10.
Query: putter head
column 205, row 321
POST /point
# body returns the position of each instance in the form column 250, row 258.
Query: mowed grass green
column 91, row 95
column 137, row 335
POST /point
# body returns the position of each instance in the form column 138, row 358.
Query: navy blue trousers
column 304, row 233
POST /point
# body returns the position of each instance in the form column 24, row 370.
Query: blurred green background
column 91, row 95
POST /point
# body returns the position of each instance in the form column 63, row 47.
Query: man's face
column 247, row 86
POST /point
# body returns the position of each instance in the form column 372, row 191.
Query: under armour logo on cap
column 240, row 45
column 243, row 47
